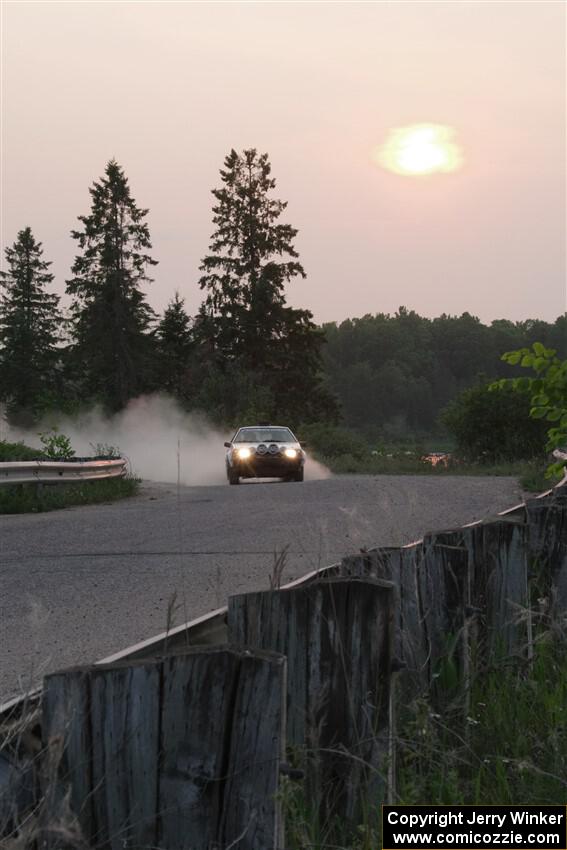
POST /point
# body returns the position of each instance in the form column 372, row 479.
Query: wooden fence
column 182, row 752
column 187, row 750
column 337, row 637
column 547, row 526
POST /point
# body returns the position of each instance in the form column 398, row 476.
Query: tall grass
column 531, row 474
column 507, row 745
column 31, row 498
column 509, row 749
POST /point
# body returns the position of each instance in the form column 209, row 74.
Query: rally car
column 264, row 451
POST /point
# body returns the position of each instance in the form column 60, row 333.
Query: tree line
column 395, row 374
column 246, row 355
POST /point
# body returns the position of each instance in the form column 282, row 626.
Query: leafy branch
column 548, row 390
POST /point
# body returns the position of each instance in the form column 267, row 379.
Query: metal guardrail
column 60, row 472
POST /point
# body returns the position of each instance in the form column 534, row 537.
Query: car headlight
column 291, row 453
column 243, row 453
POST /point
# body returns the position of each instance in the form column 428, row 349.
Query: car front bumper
column 266, row 466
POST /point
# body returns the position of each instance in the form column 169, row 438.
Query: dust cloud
column 315, row 471
column 161, row 442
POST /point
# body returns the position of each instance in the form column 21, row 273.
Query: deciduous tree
column 547, row 391
column 490, row 427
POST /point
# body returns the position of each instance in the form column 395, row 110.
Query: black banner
column 481, row 827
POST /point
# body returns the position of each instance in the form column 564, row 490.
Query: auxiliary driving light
column 243, row 453
column 290, row 453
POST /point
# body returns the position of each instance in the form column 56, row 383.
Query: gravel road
column 82, row 583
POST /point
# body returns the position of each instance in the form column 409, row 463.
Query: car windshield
column 264, row 435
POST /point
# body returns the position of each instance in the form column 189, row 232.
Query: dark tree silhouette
column 30, row 328
column 174, row 349
column 111, row 319
column 270, row 352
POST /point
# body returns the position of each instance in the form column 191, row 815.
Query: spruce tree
column 30, row 325
column 112, row 349
column 245, row 329
column 174, row 346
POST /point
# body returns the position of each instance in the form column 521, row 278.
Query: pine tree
column 30, row 325
column 174, row 346
column 111, row 319
column 245, row 329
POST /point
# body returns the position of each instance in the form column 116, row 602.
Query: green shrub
column 547, row 391
column 494, row 426
column 535, row 478
column 14, row 452
column 56, row 446
column 332, row 441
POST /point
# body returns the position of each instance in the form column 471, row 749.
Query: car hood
column 254, row 446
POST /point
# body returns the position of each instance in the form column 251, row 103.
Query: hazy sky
column 168, row 88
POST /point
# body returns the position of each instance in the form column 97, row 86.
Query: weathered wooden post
column 430, row 596
column 398, row 566
column 547, row 526
column 222, row 740
column 497, row 595
column 182, row 752
column 337, row 637
column 125, row 728
column 67, row 738
column 442, row 596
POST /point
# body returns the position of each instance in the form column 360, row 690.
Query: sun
column 420, row 150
